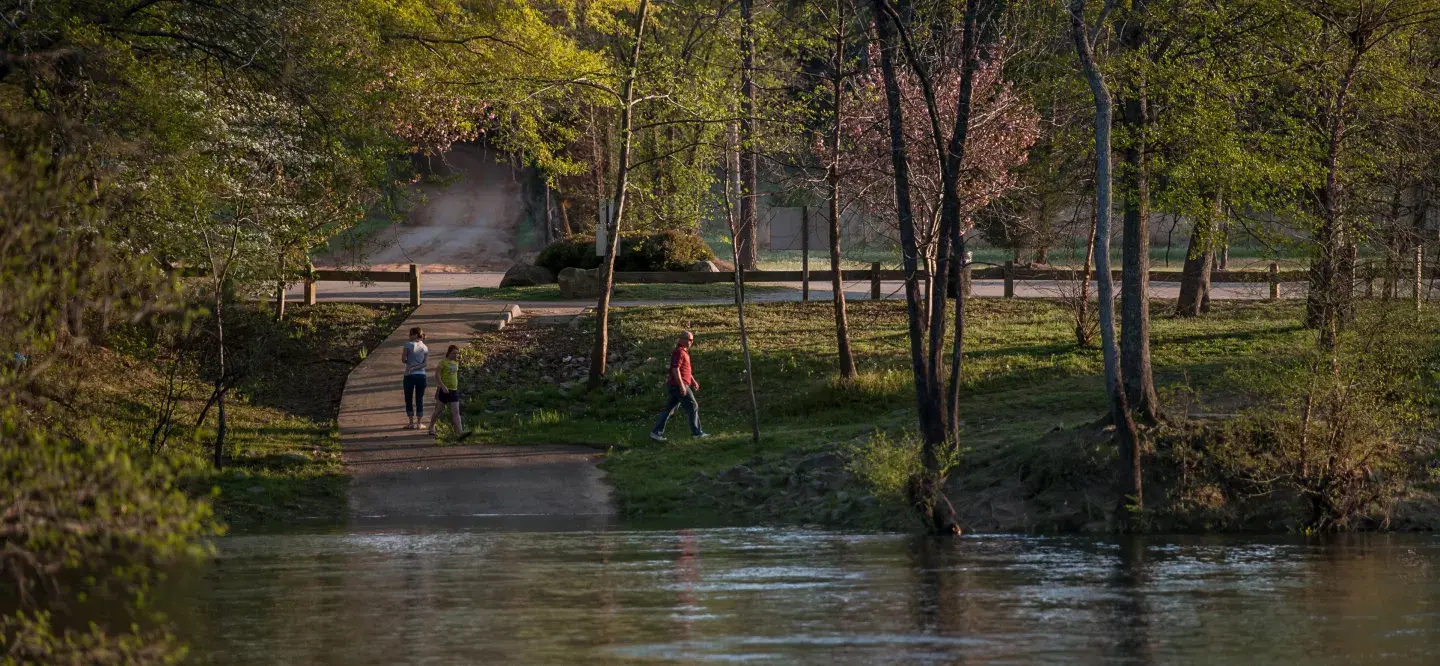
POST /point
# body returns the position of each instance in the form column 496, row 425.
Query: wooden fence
column 411, row 276
column 1009, row 273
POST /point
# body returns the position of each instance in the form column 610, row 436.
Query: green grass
column 283, row 450
column 1024, row 376
column 634, row 292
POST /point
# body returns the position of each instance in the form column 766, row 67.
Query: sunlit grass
column 1023, row 376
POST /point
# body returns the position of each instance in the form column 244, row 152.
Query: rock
column 740, row 475
column 820, row 461
column 704, row 266
column 525, row 275
column 255, row 490
column 579, row 283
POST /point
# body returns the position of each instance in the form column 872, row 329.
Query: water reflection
column 790, row 596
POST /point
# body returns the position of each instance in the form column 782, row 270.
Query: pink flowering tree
column 1002, row 129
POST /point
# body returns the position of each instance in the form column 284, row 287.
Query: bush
column 568, row 252
column 888, row 463
column 669, row 250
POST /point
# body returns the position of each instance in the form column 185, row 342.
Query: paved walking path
column 401, row 476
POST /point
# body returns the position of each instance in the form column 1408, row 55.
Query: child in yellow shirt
column 448, row 392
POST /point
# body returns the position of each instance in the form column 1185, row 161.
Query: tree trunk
column 1200, row 255
column 927, row 488
column 221, row 426
column 842, row 326
column 622, row 175
column 549, row 219
column 1324, row 302
column 740, row 310
column 1135, row 249
column 1127, row 437
column 749, row 219
column 931, row 429
column 280, row 294
column 565, row 217
column 1082, row 309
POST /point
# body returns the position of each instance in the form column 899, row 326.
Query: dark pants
column 415, row 396
column 680, row 397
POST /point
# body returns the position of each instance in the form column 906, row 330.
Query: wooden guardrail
column 1009, row 272
column 411, row 276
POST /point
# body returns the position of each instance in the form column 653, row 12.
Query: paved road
column 440, row 287
column 400, row 476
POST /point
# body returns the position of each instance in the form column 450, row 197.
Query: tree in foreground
column 956, row 152
column 1127, row 436
column 89, row 522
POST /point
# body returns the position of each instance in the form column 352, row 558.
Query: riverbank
column 833, row 452
column 282, row 462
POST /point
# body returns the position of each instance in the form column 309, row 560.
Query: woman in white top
column 414, row 355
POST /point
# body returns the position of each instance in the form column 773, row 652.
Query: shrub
column 568, row 252
column 669, row 250
column 888, row 463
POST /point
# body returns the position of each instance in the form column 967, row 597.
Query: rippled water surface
column 790, row 596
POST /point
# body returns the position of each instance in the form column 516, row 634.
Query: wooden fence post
column 414, row 286
column 1274, row 281
column 1009, row 278
column 309, row 285
column 875, row 281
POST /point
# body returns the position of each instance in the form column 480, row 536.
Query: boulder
column 579, row 283
column 525, row 275
column 704, row 266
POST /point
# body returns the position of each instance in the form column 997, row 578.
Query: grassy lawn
column 1024, row 377
column 634, row 292
column 282, row 447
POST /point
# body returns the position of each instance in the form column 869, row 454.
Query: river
column 790, row 596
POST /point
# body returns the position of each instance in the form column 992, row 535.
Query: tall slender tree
column 622, row 176
column 1135, row 246
column 1128, row 438
column 838, row 75
column 748, row 249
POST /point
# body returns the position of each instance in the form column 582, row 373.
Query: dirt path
column 401, row 476
column 467, row 222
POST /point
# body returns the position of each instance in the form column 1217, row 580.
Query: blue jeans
column 680, row 397
column 415, row 396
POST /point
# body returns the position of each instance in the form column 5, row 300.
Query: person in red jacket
column 681, row 386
